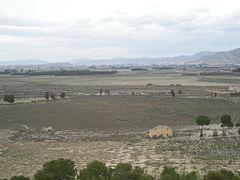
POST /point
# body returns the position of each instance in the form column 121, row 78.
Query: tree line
column 64, row 169
column 49, row 95
column 11, row 98
column 65, row 73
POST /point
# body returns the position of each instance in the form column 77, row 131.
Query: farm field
column 86, row 126
column 140, row 79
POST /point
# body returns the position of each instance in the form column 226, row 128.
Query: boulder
column 160, row 131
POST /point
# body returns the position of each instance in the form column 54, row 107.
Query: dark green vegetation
column 65, row 73
column 226, row 121
column 8, row 98
column 202, row 121
column 64, row 169
column 138, row 69
column 60, row 169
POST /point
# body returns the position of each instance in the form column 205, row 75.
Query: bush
column 94, row 170
column 47, row 95
column 169, row 173
column 226, row 120
column 172, row 93
column 237, row 124
column 9, row 98
column 60, row 169
column 190, row 176
column 220, row 175
column 19, row 178
column 124, row 171
column 53, row 96
column 63, row 95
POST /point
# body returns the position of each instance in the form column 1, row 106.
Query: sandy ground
column 186, row 151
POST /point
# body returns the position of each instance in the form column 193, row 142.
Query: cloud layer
column 63, row 30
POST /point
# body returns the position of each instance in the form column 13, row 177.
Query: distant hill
column 224, row 57
column 144, row 60
column 23, row 62
column 204, row 57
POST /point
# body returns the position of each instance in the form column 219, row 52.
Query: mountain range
column 204, row 57
column 224, row 57
column 143, row 60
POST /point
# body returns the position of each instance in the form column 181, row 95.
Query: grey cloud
column 146, row 35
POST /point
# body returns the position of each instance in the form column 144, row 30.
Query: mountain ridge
column 203, row 57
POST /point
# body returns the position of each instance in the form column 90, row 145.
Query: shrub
column 94, row 170
column 19, row 178
column 237, row 124
column 63, row 95
column 47, row 95
column 169, row 173
column 201, row 121
column 220, row 175
column 9, row 98
column 60, row 169
column 172, row 93
column 226, row 120
column 53, row 96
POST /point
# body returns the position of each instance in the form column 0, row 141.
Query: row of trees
column 226, row 121
column 10, row 97
column 65, row 73
column 64, row 169
column 53, row 96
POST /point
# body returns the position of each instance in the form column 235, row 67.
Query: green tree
column 125, row 171
column 63, row 95
column 202, row 121
column 169, row 173
column 60, row 169
column 47, row 95
column 220, row 175
column 53, row 96
column 122, row 168
column 237, row 124
column 94, row 171
column 9, row 98
column 189, row 176
column 21, row 177
column 226, row 121
column 172, row 93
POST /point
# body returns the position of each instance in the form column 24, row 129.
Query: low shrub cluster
column 8, row 98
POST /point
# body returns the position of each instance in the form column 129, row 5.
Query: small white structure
column 160, row 131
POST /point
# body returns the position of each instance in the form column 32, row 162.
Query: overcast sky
column 61, row 30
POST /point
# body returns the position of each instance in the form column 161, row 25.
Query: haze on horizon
column 61, row 30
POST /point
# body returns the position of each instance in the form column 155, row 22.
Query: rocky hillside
column 225, row 57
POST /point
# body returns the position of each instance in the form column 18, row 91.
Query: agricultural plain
column 86, row 126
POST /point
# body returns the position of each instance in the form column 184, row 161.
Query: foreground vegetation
column 64, row 169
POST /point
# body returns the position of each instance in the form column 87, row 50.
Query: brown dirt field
column 118, row 112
